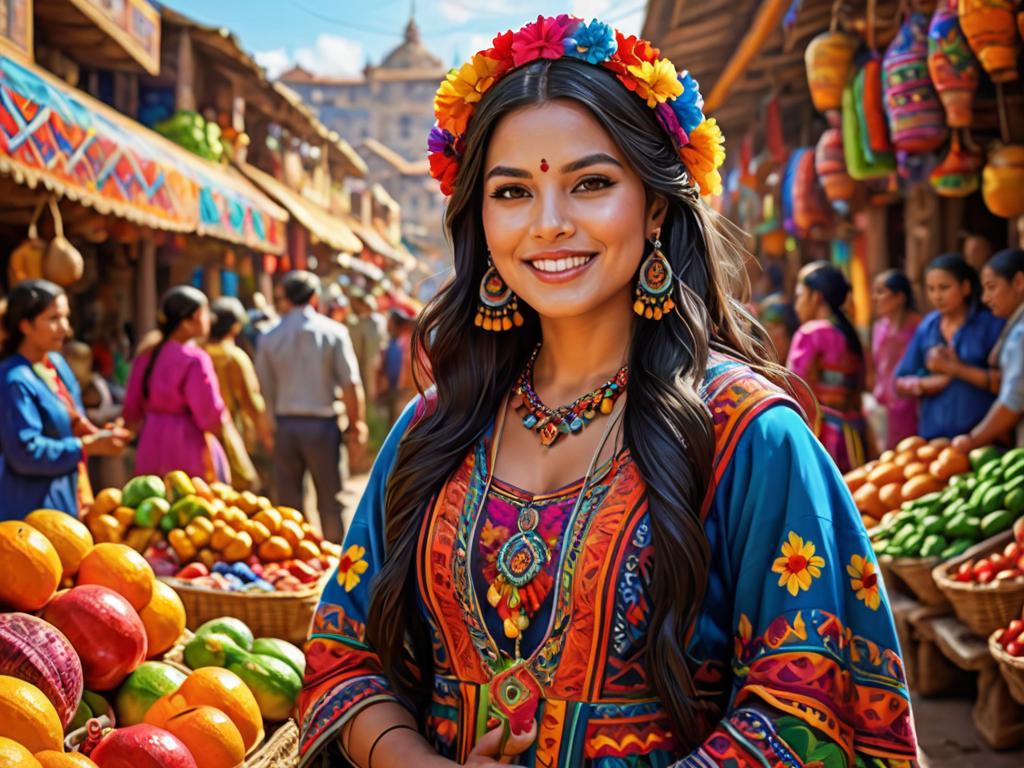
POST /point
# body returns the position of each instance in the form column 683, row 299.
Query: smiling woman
column 654, row 570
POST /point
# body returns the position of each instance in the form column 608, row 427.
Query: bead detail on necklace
column 552, row 423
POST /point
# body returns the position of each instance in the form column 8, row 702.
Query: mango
column 138, row 489
column 190, row 507
column 212, row 649
column 149, row 512
column 283, row 650
column 273, row 682
column 179, row 485
column 234, row 628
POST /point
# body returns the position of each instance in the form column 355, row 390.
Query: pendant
column 522, row 557
column 511, row 699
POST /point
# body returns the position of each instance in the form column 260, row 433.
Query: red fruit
column 141, row 746
column 965, row 571
column 104, row 630
column 34, row 651
column 1018, row 531
column 1012, row 632
column 985, row 576
column 1015, row 648
column 1020, row 563
column 1012, row 551
column 192, row 571
column 1007, row 573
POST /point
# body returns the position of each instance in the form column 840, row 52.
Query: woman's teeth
column 561, row 265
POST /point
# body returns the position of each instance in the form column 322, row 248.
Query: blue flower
column 689, row 105
column 593, row 42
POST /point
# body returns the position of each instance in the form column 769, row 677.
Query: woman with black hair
column 173, row 392
column 896, row 320
column 44, row 433
column 946, row 365
column 606, row 536
column 1002, row 279
column 826, row 353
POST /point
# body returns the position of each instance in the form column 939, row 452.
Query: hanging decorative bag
column 859, row 164
column 786, row 190
column 916, row 118
column 830, row 163
column 811, row 212
column 1002, row 181
column 63, row 263
column 828, row 58
column 26, row 262
column 988, row 26
column 951, row 64
column 870, row 104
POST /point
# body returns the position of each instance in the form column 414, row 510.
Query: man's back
column 302, row 362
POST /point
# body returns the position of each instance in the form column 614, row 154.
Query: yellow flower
column 657, row 82
column 351, row 566
column 864, row 580
column 798, row 565
column 461, row 90
column 704, row 155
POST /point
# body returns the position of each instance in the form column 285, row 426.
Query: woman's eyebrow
column 505, row 170
column 576, row 165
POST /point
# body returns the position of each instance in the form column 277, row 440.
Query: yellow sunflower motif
column 798, row 565
column 864, row 580
column 351, row 567
column 657, row 82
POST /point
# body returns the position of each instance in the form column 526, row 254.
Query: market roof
column 322, row 224
column 274, row 99
column 753, row 50
column 125, row 36
column 72, row 144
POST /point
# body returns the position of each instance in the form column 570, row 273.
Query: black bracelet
column 381, row 735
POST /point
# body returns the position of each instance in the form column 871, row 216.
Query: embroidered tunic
column 794, row 650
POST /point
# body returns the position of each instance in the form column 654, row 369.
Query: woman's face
column 564, row 214
column 200, row 323
column 886, row 303
column 945, row 292
column 1000, row 295
column 49, row 330
column 807, row 302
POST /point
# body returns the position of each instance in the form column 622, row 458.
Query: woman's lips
column 561, row 269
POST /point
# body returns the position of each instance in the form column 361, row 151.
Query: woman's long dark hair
column 27, row 301
column 1007, row 263
column 957, row 266
column 897, row 282
column 667, row 427
column 823, row 277
column 176, row 306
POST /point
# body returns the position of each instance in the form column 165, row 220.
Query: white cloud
column 275, row 61
column 455, row 11
column 331, row 55
column 625, row 15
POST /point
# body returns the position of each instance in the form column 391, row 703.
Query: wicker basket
column 285, row 615
column 1011, row 667
column 916, row 574
column 984, row 608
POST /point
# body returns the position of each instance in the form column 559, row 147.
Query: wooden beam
column 768, row 17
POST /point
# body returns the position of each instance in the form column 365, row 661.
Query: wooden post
column 185, row 95
column 145, row 286
column 876, row 239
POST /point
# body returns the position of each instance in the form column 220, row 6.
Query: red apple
column 1015, row 648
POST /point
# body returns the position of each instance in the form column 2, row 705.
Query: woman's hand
column 106, row 442
column 963, row 443
column 488, row 751
column 942, row 360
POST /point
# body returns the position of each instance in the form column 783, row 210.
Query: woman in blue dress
column 946, row 365
column 44, row 433
column 665, row 570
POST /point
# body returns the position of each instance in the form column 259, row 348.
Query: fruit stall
column 948, row 530
column 162, row 630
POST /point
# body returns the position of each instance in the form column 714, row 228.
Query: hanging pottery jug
column 916, row 118
column 63, row 263
column 828, row 59
column 1002, row 181
column 26, row 262
column 811, row 213
column 957, row 175
column 830, row 164
column 952, row 65
column 989, row 28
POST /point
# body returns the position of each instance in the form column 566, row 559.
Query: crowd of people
column 258, row 399
column 956, row 372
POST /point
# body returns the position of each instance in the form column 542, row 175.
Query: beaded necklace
column 552, row 423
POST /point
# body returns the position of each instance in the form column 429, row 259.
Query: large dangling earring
column 654, row 288
column 499, row 307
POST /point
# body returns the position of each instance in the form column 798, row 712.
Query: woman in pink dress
column 826, row 353
column 173, row 391
column 893, row 301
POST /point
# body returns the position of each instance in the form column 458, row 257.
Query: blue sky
column 335, row 37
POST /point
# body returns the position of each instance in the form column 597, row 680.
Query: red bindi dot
column 544, row 165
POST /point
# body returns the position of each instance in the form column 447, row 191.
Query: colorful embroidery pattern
column 864, row 581
column 798, row 565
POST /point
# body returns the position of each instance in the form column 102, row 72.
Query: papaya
column 138, row 489
column 234, row 628
column 885, row 473
column 273, row 682
column 920, row 485
column 179, row 485
column 189, row 507
column 212, row 649
column 283, row 650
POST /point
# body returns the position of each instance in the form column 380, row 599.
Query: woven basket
column 285, row 615
column 916, row 574
column 1011, row 668
column 984, row 608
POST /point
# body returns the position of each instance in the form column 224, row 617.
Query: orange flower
column 864, row 580
column 798, row 565
column 351, row 567
column 461, row 90
column 704, row 155
column 657, row 82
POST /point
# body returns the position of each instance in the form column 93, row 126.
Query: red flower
column 541, row 39
column 444, row 168
column 501, row 51
column 631, row 52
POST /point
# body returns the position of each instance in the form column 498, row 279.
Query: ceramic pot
column 1002, row 181
column 989, row 28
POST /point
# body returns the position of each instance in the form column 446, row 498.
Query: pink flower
column 542, row 39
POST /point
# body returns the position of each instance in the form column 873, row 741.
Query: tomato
column 985, row 576
column 1015, row 649
column 1018, row 531
column 1012, row 551
column 965, row 571
column 984, row 568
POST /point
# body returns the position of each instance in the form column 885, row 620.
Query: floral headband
column 637, row 64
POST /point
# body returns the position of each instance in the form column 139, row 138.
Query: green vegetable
column 996, row 522
column 957, row 547
column 933, row 545
column 993, row 499
column 933, row 524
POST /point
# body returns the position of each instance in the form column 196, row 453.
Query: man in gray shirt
column 302, row 364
